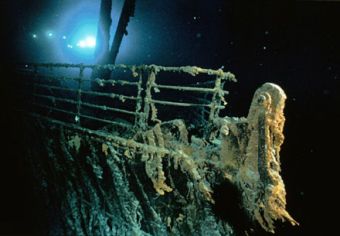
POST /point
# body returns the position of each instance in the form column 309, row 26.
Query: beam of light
column 34, row 36
column 64, row 37
column 88, row 42
column 78, row 22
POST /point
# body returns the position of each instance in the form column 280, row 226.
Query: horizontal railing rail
column 96, row 97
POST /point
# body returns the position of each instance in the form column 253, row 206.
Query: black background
column 295, row 45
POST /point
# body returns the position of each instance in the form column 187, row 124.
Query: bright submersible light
column 78, row 29
column 88, row 42
column 79, row 24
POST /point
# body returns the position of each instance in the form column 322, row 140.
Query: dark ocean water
column 295, row 45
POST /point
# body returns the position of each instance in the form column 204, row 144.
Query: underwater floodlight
column 88, row 42
column 79, row 26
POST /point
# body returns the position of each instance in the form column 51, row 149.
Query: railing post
column 139, row 102
column 145, row 99
column 81, row 73
column 148, row 103
column 217, row 98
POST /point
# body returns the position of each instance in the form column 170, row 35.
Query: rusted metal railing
column 82, row 98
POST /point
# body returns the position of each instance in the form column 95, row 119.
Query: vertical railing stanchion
column 80, row 81
column 139, row 101
column 147, row 97
column 218, row 100
column 220, row 97
column 148, row 103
